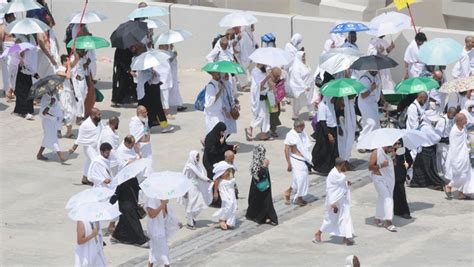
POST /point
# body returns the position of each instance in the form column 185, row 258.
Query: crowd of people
column 444, row 119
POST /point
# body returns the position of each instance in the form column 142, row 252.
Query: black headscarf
column 215, row 134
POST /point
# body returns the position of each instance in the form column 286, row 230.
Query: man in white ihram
column 139, row 129
column 110, row 135
column 99, row 172
column 368, row 102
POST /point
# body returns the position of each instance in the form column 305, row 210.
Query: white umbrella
column 27, row 26
column 148, row 60
column 338, row 59
column 173, row 36
column 20, row 6
column 412, row 139
column 166, row 185
column 236, row 19
column 146, row 12
column 89, row 17
column 17, row 48
column 94, row 212
column 131, row 170
column 154, row 23
column 274, row 57
column 96, row 194
column 389, row 23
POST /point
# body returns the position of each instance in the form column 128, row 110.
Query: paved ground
column 35, row 230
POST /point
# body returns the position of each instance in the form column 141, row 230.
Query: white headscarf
column 193, row 165
column 296, row 39
column 220, row 168
column 300, row 75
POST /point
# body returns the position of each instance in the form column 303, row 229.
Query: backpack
column 201, row 99
column 402, row 119
column 280, row 91
column 216, row 39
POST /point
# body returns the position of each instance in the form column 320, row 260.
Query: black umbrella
column 373, row 63
column 48, row 84
column 129, row 33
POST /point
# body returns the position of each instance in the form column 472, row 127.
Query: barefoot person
column 383, row 176
column 298, row 158
column 337, row 218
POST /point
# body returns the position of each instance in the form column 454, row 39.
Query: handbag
column 234, row 110
column 140, row 209
column 99, row 97
column 263, row 184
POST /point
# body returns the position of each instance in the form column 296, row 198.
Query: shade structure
column 148, row 60
column 173, row 36
column 271, row 56
column 20, row 6
column 27, row 26
column 224, row 67
column 416, row 85
column 89, row 17
column 89, row 195
column 48, row 84
column 154, row 23
column 440, row 51
column 384, row 137
column 349, row 27
column 128, row 34
column 388, row 23
column 17, row 48
column 236, row 19
column 342, row 87
column 131, row 171
column 94, row 212
column 338, row 59
column 373, row 62
column 166, row 185
column 88, row 42
column 147, row 12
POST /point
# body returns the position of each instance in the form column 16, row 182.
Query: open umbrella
column 48, row 84
column 373, row 62
column 20, row 6
column 224, row 67
column 131, row 170
column 349, row 27
column 383, row 137
column 146, row 12
column 166, row 185
column 17, row 48
column 338, row 59
column 154, row 23
column 271, row 56
column 89, row 17
column 88, row 42
column 172, row 36
column 388, row 23
column 440, row 51
column 26, row 26
column 94, row 212
column 128, row 34
column 95, row 194
column 148, row 60
column 342, row 87
column 458, row 85
column 236, row 19
column 416, row 85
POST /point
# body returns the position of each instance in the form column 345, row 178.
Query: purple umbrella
column 17, row 48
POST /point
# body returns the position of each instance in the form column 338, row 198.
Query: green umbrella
column 89, row 42
column 342, row 87
column 224, row 66
column 416, row 85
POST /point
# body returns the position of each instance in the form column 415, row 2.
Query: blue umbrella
column 440, row 51
column 349, row 27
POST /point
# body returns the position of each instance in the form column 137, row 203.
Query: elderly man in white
column 139, row 129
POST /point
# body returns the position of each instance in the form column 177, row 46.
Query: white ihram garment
column 301, row 85
column 91, row 253
column 384, row 185
column 368, row 106
column 348, row 125
column 299, row 170
column 68, row 100
column 139, row 129
column 50, row 123
column 88, row 137
column 99, row 171
column 458, row 165
column 260, row 112
column 415, row 66
column 228, row 208
column 175, row 98
column 443, row 128
column 213, row 105
column 378, row 46
column 166, row 78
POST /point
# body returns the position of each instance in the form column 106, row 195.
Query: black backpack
column 216, row 39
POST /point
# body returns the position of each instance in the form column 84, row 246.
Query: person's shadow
column 416, row 206
column 397, row 221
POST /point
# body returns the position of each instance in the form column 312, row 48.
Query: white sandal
column 391, row 228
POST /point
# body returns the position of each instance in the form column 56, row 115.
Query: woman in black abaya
column 260, row 201
column 403, row 161
column 123, row 87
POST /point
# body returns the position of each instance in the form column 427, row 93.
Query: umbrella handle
column 73, row 46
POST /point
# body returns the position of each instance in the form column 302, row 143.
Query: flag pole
column 411, row 16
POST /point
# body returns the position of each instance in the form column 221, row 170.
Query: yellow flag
column 401, row 4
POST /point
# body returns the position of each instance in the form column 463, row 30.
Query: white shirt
column 414, row 115
column 463, row 67
column 327, row 113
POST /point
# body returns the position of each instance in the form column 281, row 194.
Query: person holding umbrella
column 413, row 65
column 368, row 102
column 27, row 70
column 379, row 46
column 351, row 40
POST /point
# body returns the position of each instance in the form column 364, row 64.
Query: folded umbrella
column 224, row 67
column 130, row 171
column 146, row 12
column 88, row 42
column 373, row 62
column 128, row 34
column 342, row 87
column 48, row 84
column 94, row 212
column 18, row 48
column 20, row 6
column 95, row 194
column 388, row 23
column 26, row 26
column 416, row 85
column 172, row 36
column 154, row 23
column 440, row 51
column 89, row 17
column 384, row 137
column 338, row 59
column 166, row 185
column 349, row 27
column 271, row 56
column 458, row 85
column 236, row 19
column 148, row 60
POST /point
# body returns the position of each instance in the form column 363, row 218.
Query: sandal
column 449, row 194
column 391, row 228
column 248, row 135
column 287, row 199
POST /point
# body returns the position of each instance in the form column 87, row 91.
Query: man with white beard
column 458, row 165
column 99, row 172
column 337, row 217
column 140, row 131
column 443, row 128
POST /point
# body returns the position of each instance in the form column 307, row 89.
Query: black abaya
column 324, row 153
column 129, row 229
column 400, row 204
column 213, row 149
column 123, row 87
column 261, row 203
column 425, row 170
column 23, row 105
column 152, row 102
